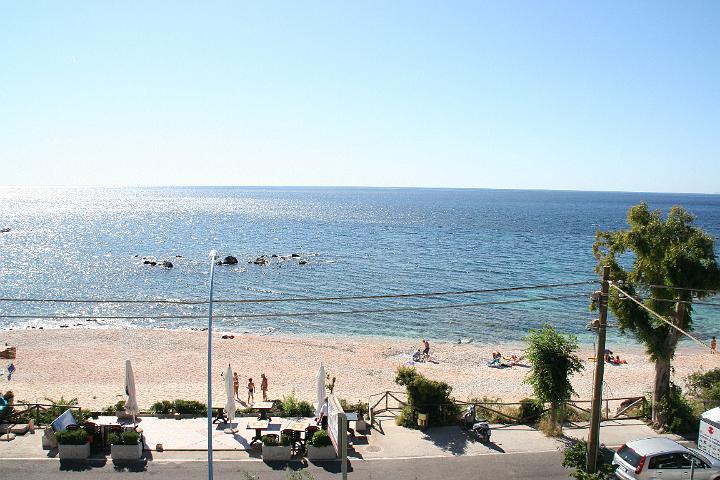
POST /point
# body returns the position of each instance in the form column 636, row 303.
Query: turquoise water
column 89, row 243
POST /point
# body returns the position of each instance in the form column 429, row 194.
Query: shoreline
column 169, row 364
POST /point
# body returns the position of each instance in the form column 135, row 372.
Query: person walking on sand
column 264, row 386
column 426, row 349
column 713, row 344
column 251, row 392
column 236, row 385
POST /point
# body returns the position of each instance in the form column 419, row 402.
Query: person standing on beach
column 251, row 392
column 236, row 385
column 264, row 386
column 713, row 344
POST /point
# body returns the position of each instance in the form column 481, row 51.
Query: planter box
column 276, row 454
column 320, row 453
column 126, row 452
column 74, row 452
column 48, row 439
column 361, row 426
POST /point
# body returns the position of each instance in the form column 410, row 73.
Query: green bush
column 679, row 412
column 575, row 456
column 285, row 440
column 359, row 407
column 321, row 438
column 290, row 406
column 72, row 437
column 269, row 441
column 190, row 407
column 56, row 408
column 491, row 410
column 530, row 410
column 162, row 407
column 187, row 407
column 407, row 417
column 127, row 437
column 426, row 396
column 705, row 386
column 113, row 409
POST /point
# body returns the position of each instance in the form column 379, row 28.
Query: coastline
column 168, row 364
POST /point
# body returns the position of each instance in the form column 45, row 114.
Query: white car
column 663, row 459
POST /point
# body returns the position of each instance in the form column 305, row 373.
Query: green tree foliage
column 669, row 252
column 705, row 387
column 553, row 359
column 426, row 396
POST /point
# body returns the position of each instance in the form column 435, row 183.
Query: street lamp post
column 213, row 258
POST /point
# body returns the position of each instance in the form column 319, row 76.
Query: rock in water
column 4, row 230
column 230, row 260
column 295, row 255
column 167, row 264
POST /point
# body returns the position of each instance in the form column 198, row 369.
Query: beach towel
column 11, row 369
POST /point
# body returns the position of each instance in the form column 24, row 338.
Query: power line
column 627, row 295
column 704, row 290
column 691, row 302
column 300, row 314
column 303, row 299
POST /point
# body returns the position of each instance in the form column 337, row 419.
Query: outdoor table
column 103, row 426
column 259, row 426
column 298, row 427
column 264, row 408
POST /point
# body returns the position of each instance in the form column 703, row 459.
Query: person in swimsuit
column 236, row 385
column 264, row 386
column 251, row 392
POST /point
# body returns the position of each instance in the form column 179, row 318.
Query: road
column 536, row 466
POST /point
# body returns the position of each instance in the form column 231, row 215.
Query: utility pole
column 594, row 435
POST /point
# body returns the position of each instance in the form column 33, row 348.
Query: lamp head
column 213, row 255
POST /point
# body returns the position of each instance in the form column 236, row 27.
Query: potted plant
column 126, row 445
column 73, row 444
column 274, row 451
column 361, row 410
column 320, row 447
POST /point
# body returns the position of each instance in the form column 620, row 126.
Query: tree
column 553, row 359
column 670, row 253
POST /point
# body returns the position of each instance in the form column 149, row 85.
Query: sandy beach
column 88, row 364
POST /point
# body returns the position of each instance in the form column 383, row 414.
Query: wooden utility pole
column 594, row 435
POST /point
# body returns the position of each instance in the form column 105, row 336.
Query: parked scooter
column 477, row 426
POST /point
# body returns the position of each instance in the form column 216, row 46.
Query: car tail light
column 640, row 466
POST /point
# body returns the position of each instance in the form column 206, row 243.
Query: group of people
column 613, row 359
column 423, row 353
column 251, row 388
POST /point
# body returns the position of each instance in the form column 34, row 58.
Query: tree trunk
column 661, row 387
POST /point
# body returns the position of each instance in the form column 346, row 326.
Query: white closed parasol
column 320, row 389
column 230, row 402
column 131, row 405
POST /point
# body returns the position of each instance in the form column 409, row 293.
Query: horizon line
column 357, row 187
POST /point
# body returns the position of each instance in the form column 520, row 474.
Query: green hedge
column 127, row 437
column 321, row 438
column 72, row 437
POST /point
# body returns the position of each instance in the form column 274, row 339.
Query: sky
column 617, row 95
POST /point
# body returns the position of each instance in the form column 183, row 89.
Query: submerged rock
column 295, row 255
column 167, row 264
column 302, row 262
column 4, row 230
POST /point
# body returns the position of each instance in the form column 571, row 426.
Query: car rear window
column 629, row 455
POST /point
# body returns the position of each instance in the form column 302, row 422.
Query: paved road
column 536, row 466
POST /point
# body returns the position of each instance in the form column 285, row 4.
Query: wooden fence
column 34, row 410
column 616, row 408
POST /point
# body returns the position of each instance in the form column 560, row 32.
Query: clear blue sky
column 619, row 95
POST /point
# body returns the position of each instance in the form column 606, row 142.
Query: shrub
column 269, row 441
column 407, row 417
column 549, row 426
column 290, row 406
column 72, row 437
column 56, row 408
column 190, row 407
column 530, row 410
column 575, row 456
column 705, row 386
column 285, row 440
column 360, row 407
column 127, row 437
column 677, row 409
column 113, row 409
column 162, row 407
column 491, row 410
column 321, row 438
column 426, row 396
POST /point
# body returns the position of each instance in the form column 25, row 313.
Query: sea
column 94, row 244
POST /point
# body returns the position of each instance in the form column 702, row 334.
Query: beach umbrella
column 131, row 405
column 230, row 402
column 320, row 389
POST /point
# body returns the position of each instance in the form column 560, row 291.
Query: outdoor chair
column 292, row 434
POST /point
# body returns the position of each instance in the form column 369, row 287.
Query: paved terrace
column 187, row 439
